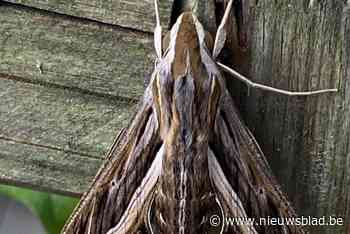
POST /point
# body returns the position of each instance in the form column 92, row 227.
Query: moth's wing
column 128, row 161
column 229, row 201
column 246, row 169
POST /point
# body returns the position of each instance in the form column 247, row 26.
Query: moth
column 186, row 157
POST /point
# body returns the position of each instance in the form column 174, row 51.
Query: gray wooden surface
column 135, row 14
column 55, row 138
column 298, row 46
column 54, row 49
column 68, row 84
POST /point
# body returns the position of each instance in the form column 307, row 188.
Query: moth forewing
column 117, row 181
column 225, row 193
column 245, row 169
column 128, row 223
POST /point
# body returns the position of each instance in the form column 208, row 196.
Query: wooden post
column 299, row 46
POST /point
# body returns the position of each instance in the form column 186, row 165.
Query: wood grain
column 135, row 14
column 301, row 47
column 46, row 169
column 55, row 138
column 54, row 49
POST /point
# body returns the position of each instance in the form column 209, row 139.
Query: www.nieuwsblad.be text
column 216, row 221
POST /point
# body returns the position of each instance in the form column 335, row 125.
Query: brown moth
column 186, row 156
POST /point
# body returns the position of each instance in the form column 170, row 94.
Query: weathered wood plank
column 55, row 49
column 304, row 45
column 136, row 14
column 60, row 118
column 46, row 169
column 52, row 138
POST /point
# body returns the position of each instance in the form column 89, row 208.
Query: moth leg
column 157, row 32
column 268, row 88
column 220, row 37
column 138, row 202
column 227, row 195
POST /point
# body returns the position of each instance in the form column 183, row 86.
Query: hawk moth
column 186, row 155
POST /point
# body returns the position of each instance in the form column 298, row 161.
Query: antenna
column 157, row 32
column 220, row 37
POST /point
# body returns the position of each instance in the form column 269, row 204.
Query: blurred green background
column 52, row 209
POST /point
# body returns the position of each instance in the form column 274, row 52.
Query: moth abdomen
column 182, row 215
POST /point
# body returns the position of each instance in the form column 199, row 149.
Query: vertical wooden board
column 135, row 14
column 298, row 46
column 54, row 49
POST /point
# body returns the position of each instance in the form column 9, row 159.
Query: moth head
column 186, row 37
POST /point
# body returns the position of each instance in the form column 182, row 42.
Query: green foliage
column 52, row 209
